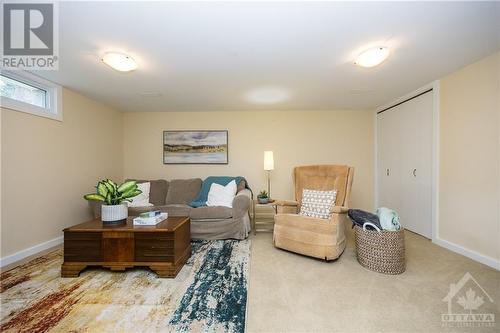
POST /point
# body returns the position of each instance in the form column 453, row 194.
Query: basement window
column 25, row 92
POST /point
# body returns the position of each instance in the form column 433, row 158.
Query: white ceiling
column 214, row 56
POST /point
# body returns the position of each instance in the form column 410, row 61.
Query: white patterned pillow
column 317, row 203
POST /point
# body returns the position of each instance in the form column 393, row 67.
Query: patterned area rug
column 209, row 295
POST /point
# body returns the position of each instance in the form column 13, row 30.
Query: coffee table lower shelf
column 162, row 269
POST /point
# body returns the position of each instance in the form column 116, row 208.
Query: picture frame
column 195, row 147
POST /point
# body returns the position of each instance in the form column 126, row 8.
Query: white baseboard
column 489, row 261
column 7, row 260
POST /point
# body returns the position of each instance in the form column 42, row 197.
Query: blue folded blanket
column 201, row 200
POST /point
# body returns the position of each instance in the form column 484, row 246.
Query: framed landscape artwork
column 195, row 147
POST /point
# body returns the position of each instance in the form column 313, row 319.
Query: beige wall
column 297, row 138
column 48, row 165
column 470, row 157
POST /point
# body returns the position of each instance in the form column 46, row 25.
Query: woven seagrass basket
column 382, row 252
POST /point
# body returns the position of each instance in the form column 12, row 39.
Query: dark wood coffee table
column 163, row 248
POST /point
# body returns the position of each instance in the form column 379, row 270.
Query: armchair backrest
column 324, row 178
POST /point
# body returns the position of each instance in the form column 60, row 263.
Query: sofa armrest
column 241, row 203
column 339, row 210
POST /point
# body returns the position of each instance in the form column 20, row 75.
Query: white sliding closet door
column 388, row 158
column 404, row 139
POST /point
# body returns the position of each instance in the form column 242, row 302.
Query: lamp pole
column 269, row 184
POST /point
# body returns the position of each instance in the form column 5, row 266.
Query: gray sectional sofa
column 174, row 197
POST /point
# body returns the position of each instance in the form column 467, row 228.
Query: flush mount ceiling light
column 372, row 57
column 119, row 61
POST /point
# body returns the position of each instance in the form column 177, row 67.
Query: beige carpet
column 293, row 293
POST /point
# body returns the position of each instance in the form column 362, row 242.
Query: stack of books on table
column 150, row 218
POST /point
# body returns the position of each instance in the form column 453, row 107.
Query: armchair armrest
column 241, row 203
column 291, row 203
column 286, row 206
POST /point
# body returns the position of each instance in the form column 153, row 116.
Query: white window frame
column 53, row 98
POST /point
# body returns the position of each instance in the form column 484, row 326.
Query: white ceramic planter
column 262, row 200
column 114, row 213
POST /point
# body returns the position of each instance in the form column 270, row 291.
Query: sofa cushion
column 177, row 210
column 215, row 212
column 172, row 210
column 157, row 191
column 183, row 191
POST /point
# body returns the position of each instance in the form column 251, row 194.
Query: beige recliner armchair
column 319, row 238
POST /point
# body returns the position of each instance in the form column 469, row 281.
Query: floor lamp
column 268, row 166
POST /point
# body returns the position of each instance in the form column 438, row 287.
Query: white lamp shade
column 268, row 160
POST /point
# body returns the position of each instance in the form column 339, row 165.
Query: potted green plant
column 263, row 197
column 113, row 197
